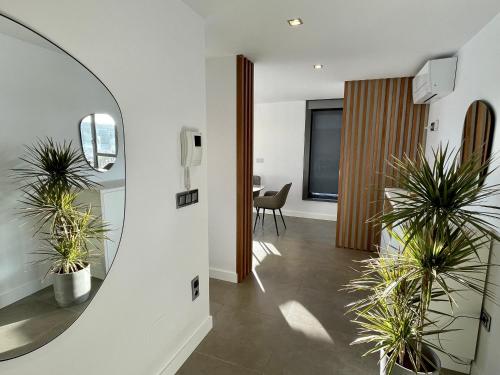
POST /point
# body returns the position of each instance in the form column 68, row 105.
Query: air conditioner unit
column 435, row 80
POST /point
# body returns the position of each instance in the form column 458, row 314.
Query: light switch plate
column 186, row 198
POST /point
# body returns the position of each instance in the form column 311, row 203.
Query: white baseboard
column 310, row 215
column 306, row 215
column 217, row 273
column 187, row 348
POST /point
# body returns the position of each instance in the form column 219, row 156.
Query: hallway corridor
column 288, row 317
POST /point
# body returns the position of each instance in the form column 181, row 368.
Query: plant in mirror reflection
column 53, row 177
column 444, row 221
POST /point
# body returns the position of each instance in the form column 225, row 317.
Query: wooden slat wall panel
column 244, row 165
column 379, row 121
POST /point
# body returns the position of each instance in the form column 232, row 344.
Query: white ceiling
column 354, row 39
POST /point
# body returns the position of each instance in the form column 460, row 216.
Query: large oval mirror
column 61, row 218
column 477, row 135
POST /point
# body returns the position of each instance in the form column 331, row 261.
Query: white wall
column 221, row 130
column 44, row 93
column 279, row 131
column 151, row 56
column 478, row 77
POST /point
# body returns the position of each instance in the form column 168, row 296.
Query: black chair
column 271, row 200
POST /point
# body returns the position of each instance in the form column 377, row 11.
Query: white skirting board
column 309, row 215
column 217, row 273
column 305, row 215
column 187, row 348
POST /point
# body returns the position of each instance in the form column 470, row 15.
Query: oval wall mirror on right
column 479, row 126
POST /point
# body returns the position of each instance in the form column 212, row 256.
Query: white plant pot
column 72, row 288
column 400, row 370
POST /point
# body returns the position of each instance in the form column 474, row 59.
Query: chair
column 271, row 200
column 256, row 182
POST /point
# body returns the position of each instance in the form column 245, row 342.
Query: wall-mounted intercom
column 191, row 152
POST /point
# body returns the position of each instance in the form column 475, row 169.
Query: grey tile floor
column 288, row 317
column 35, row 320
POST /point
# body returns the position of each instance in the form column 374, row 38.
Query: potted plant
column 53, row 176
column 444, row 221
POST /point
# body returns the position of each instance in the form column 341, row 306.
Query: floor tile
column 242, row 337
column 289, row 316
column 336, row 358
column 200, row 364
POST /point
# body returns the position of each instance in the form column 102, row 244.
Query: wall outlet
column 434, row 126
column 259, row 160
column 485, row 320
column 195, row 288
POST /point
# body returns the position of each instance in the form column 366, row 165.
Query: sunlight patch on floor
column 256, row 262
column 256, row 275
column 300, row 319
column 262, row 249
column 14, row 335
column 260, row 252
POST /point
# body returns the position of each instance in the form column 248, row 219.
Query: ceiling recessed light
column 295, row 22
column 318, row 66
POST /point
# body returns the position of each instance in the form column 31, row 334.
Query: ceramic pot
column 400, row 370
column 72, row 288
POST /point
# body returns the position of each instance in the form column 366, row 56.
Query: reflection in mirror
column 477, row 135
column 60, row 218
column 99, row 140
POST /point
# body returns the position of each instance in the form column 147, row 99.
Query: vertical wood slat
column 375, row 160
column 354, row 157
column 346, row 113
column 380, row 122
column 244, row 165
column 360, row 175
column 367, row 175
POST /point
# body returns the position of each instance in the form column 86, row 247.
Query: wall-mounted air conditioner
column 435, row 80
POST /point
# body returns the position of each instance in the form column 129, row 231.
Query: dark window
column 322, row 150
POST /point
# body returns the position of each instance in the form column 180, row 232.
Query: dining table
column 257, row 188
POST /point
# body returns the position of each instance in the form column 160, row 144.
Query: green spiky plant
column 445, row 220
column 53, row 176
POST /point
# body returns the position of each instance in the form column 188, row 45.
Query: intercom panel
column 191, row 148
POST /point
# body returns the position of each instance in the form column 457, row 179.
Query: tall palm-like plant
column 447, row 194
column 52, row 178
column 388, row 317
column 55, row 164
column 445, row 219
